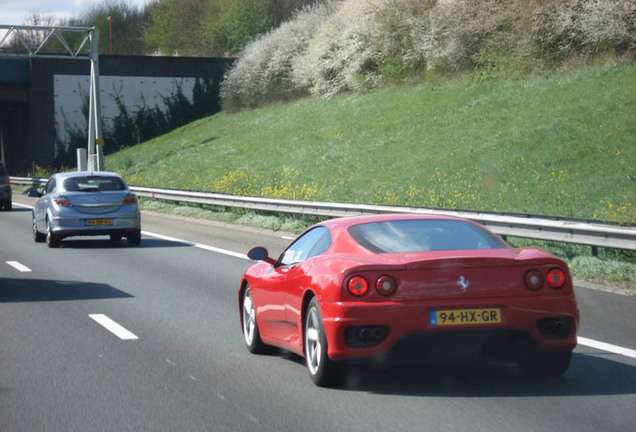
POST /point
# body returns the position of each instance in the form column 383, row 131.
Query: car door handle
column 287, row 268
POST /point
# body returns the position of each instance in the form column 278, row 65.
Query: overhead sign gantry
column 32, row 41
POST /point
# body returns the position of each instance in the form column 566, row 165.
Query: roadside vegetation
column 197, row 28
column 523, row 106
column 347, row 46
column 559, row 145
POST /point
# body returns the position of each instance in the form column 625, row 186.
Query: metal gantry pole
column 94, row 114
column 91, row 35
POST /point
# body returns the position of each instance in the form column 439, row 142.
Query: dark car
column 5, row 189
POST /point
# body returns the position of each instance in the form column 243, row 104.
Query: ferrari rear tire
column 322, row 370
column 546, row 363
column 251, row 332
column 52, row 240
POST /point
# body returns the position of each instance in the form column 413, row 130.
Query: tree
column 175, row 27
column 232, row 24
column 128, row 23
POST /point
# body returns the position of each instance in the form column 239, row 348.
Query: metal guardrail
column 564, row 230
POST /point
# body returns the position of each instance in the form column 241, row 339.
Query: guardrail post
column 81, row 159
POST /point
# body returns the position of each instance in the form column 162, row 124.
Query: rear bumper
column 409, row 325
column 124, row 232
column 123, row 224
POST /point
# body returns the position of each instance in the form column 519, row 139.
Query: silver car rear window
column 421, row 235
column 94, row 184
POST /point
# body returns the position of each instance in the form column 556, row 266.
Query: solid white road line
column 22, row 205
column 581, row 340
column 113, row 327
column 197, row 245
column 607, row 347
column 20, row 267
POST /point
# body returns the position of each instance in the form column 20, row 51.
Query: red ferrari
column 435, row 287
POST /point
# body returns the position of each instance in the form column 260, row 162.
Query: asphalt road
column 183, row 366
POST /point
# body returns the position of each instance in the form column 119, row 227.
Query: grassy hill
column 563, row 145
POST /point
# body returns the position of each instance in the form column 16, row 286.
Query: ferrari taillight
column 62, row 201
column 357, row 286
column 533, row 279
column 556, row 278
column 385, row 285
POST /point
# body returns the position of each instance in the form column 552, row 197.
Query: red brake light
column 130, row 199
column 385, row 285
column 358, row 286
column 556, row 278
column 62, row 201
column 533, row 279
column 7, row 181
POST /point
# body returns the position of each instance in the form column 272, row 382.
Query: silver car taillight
column 62, row 201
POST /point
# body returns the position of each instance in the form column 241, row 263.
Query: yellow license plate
column 451, row 317
column 99, row 222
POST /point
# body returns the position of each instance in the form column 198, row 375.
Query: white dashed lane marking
column 113, row 327
column 20, row 267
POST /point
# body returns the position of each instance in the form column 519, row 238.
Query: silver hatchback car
column 86, row 204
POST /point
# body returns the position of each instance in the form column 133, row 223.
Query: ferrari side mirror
column 259, row 253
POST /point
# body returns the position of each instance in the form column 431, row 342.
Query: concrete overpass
column 41, row 97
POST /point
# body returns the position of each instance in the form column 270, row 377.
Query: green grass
column 563, row 145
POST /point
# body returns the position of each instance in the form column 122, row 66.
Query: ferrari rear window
column 421, row 235
column 94, row 184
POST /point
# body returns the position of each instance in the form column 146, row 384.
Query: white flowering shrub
column 356, row 45
column 405, row 37
column 458, row 30
column 344, row 54
column 588, row 27
column 263, row 73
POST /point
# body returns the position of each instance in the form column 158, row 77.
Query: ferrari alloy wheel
column 250, row 327
column 546, row 363
column 38, row 237
column 321, row 369
column 52, row 240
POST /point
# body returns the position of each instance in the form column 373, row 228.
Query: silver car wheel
column 313, row 347
column 51, row 239
column 251, row 332
column 37, row 236
column 249, row 320
column 322, row 370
